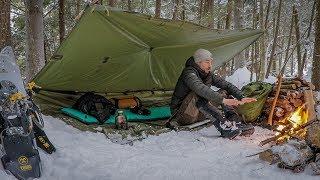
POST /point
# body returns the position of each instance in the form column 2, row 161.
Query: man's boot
column 246, row 129
column 227, row 129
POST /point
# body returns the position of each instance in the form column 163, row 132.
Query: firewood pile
column 296, row 143
column 291, row 97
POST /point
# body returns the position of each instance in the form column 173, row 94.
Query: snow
column 174, row 155
column 292, row 153
column 241, row 77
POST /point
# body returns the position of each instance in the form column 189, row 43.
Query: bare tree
column 316, row 53
column 35, row 37
column 238, row 24
column 304, row 57
column 211, row 6
column 175, row 9
column 255, row 45
column 77, row 7
column 112, row 3
column 267, row 13
column 158, row 9
column 229, row 14
column 5, row 30
column 183, row 12
column 61, row 20
column 297, row 30
column 262, row 43
column 200, row 11
column 129, row 5
column 289, row 42
column 275, row 38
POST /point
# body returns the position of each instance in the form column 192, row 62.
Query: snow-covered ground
column 174, row 155
column 183, row 155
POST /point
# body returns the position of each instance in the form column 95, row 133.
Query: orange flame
column 298, row 117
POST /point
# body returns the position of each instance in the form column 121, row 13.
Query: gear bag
column 96, row 106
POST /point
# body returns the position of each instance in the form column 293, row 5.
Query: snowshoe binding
column 20, row 156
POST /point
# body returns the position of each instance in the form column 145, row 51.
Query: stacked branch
column 291, row 97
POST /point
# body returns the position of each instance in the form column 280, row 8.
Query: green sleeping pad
column 156, row 114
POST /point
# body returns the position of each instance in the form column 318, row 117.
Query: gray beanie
column 202, row 55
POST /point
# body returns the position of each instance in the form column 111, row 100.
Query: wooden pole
column 270, row 122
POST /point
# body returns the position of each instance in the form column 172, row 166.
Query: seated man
column 193, row 99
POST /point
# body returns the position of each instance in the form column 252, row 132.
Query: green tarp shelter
column 112, row 51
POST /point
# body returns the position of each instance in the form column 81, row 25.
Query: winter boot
column 227, row 129
column 246, row 129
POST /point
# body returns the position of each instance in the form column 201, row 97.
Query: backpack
column 96, row 106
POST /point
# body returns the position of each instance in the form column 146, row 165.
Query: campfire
column 293, row 110
column 298, row 118
column 296, row 143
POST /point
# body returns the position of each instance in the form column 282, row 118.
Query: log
column 310, row 104
column 296, row 82
column 288, row 86
column 289, row 108
column 296, row 102
column 279, row 112
column 312, row 87
column 287, row 131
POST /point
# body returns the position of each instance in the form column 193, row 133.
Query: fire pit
column 296, row 143
column 294, row 110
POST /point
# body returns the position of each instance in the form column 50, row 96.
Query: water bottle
column 121, row 120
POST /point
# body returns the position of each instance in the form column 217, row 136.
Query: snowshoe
column 19, row 118
column 20, row 158
column 43, row 141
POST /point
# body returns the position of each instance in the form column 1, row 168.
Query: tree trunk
column 35, row 37
column 298, row 44
column 238, row 24
column 61, row 20
column 274, row 40
column 143, row 6
column 229, row 13
column 129, row 5
column 262, row 43
column 254, row 49
column 158, row 9
column 200, row 11
column 175, row 10
column 267, row 14
column 289, row 41
column 183, row 12
column 316, row 53
column 304, row 57
column 77, row 7
column 5, row 30
column 112, row 3
column 210, row 4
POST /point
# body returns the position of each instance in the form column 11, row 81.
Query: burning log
column 287, row 131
